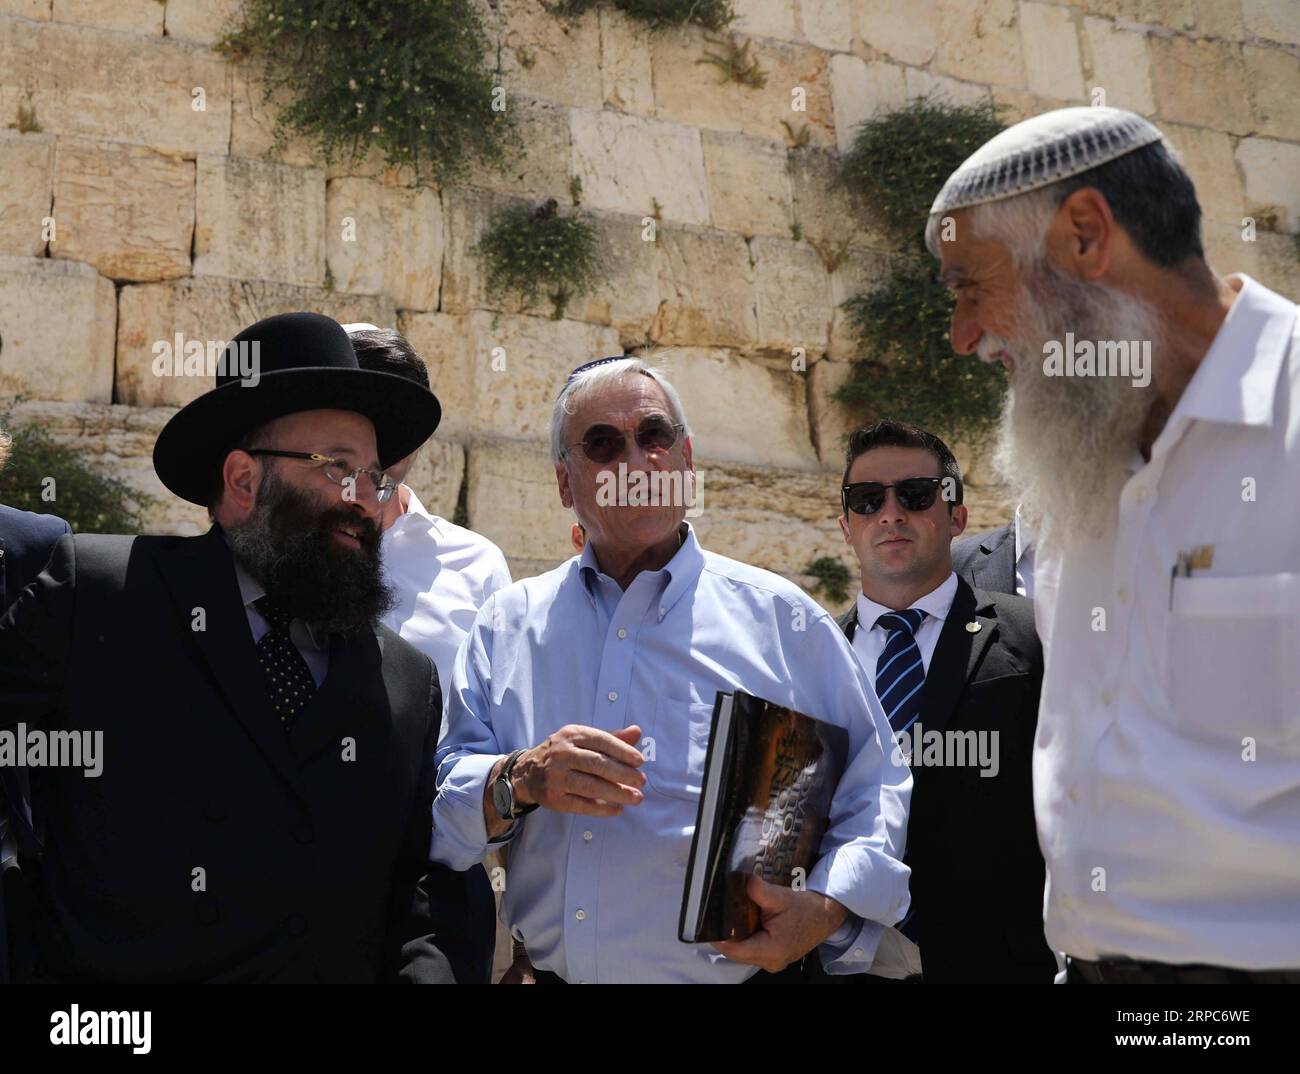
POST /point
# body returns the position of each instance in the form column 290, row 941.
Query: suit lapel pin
column 973, row 626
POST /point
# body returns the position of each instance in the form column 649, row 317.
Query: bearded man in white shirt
column 1152, row 433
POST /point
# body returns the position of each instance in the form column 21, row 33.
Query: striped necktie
column 900, row 672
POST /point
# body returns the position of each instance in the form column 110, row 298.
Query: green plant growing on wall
column 26, row 122
column 406, row 77
column 90, row 500
column 906, row 368
column 533, row 250
column 833, row 578
column 736, row 64
column 711, row 14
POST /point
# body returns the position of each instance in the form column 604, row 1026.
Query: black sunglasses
column 868, row 497
column 605, row 443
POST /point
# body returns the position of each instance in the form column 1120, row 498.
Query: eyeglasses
column 868, row 497
column 337, row 470
column 605, row 443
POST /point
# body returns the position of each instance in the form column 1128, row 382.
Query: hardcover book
column 769, row 777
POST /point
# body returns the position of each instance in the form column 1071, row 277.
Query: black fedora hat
column 303, row 361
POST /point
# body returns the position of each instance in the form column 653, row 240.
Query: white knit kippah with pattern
column 1042, row 150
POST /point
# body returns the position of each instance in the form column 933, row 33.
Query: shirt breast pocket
column 1232, row 662
column 676, row 745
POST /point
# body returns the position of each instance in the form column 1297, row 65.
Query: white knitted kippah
column 360, row 326
column 1042, row 150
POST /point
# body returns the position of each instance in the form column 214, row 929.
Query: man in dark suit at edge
column 958, row 672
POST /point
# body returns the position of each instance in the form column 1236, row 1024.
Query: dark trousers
column 1129, row 971
column 795, row 973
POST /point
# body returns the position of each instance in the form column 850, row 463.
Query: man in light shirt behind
column 441, row 573
column 1165, row 491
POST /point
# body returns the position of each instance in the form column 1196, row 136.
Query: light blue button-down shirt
column 597, row 899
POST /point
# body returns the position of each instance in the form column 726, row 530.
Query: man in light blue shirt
column 580, row 709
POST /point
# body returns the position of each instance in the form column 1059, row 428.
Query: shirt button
column 858, row 952
column 581, row 915
column 663, row 612
column 587, row 836
column 1123, row 595
column 622, row 633
column 613, row 695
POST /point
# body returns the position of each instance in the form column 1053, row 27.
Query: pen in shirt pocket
column 1200, row 558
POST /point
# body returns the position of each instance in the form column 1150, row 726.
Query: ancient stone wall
column 170, row 220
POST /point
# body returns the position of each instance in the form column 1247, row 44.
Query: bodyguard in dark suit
column 26, row 540
column 265, row 750
column 987, row 560
column 958, row 670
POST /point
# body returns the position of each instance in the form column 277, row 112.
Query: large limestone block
column 861, row 272
column 740, row 410
column 385, row 240
column 1120, row 65
column 498, row 374
column 137, row 16
column 943, row 88
column 212, row 310
column 514, row 501
column 910, row 39
column 467, row 214
column 127, row 210
column 831, row 420
column 253, row 128
column 980, row 42
column 766, row 18
column 261, row 221
column 627, row 295
column 1272, row 171
column 1200, row 81
column 1228, row 249
column 697, row 93
column 626, row 75
column 57, row 322
column 627, row 163
column 749, row 183
column 1207, row 156
column 827, row 24
column 793, row 294
column 27, row 9
column 706, row 280
column 436, row 475
column 862, row 90
column 27, row 164
column 1275, row 20
column 123, row 87
column 203, row 21
column 118, row 441
column 823, row 211
column 1278, row 266
column 777, row 519
column 1274, row 80
column 543, row 56
column 540, row 168
column 1051, row 50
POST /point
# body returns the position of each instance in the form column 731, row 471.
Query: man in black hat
column 261, row 809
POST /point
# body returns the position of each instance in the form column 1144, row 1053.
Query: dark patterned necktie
column 289, row 682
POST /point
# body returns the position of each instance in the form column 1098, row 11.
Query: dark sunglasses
column 605, row 443
column 868, row 497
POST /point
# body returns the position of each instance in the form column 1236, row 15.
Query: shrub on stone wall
column 531, row 251
column 48, row 478
column 906, row 368
column 407, row 77
column 711, row 14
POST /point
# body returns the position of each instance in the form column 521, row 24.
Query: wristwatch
column 503, row 792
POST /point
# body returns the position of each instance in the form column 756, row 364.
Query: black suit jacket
column 312, row 845
column 26, row 540
column 977, row 871
column 988, row 560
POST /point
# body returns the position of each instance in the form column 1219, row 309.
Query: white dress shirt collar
column 415, row 513
column 682, row 569
column 1024, row 532
column 1236, row 382
column 936, row 603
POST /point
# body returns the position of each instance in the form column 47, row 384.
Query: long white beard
column 1064, row 443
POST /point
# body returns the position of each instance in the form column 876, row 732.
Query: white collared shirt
column 1167, row 758
column 869, row 640
column 1024, row 555
column 441, row 574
